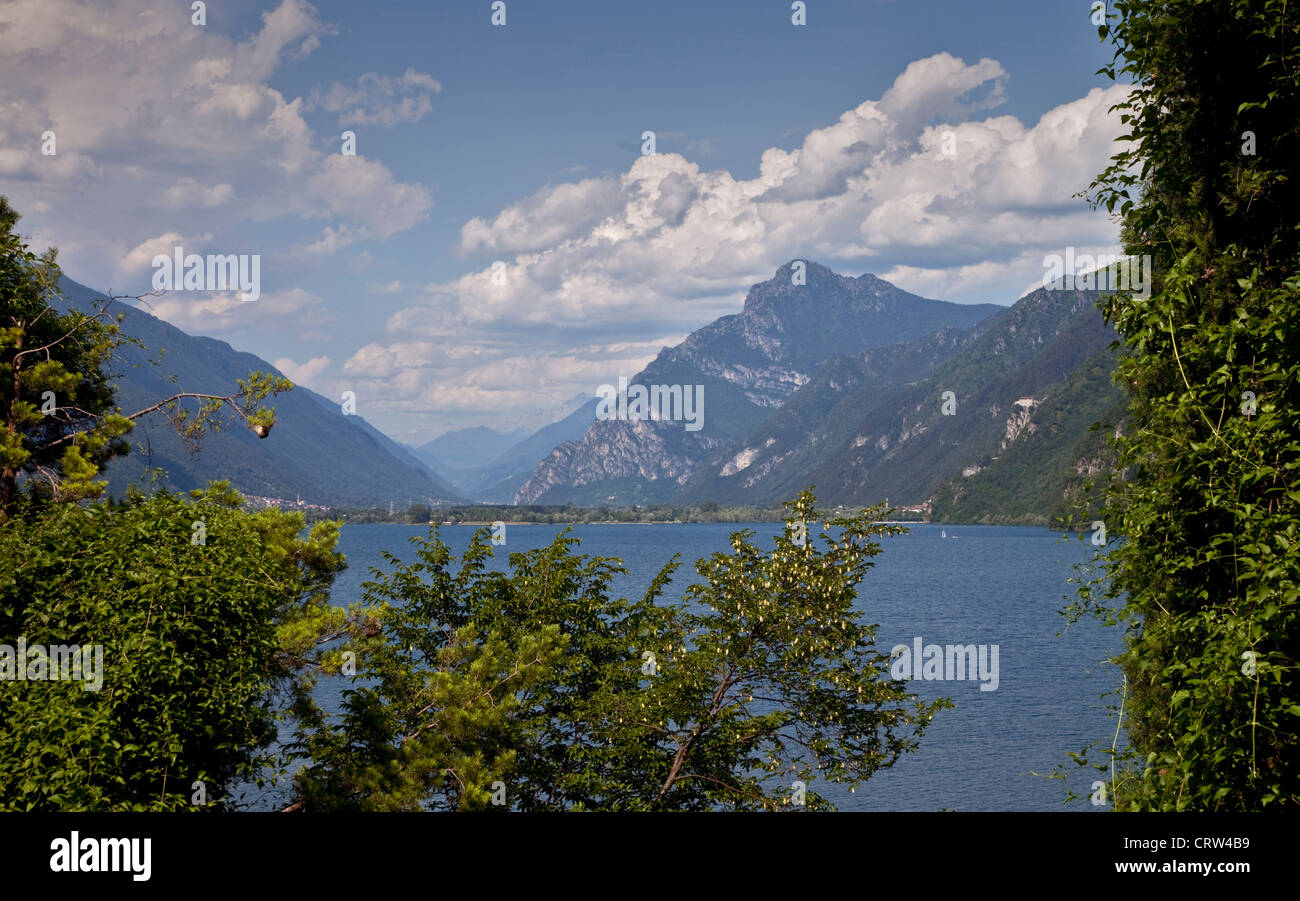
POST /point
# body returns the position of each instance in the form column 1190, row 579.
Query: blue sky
column 522, row 145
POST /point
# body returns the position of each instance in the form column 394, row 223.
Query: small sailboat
column 943, row 533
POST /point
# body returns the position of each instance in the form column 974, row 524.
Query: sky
column 500, row 242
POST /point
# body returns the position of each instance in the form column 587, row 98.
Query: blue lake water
column 983, row 585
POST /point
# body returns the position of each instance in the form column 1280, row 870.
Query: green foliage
column 213, row 413
column 1044, row 477
column 203, row 613
column 62, row 437
column 537, row 686
column 1206, row 571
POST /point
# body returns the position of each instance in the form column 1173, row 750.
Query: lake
column 982, row 585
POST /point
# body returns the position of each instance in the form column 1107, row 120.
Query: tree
column 197, row 617
column 535, row 690
column 56, row 400
column 1206, row 500
column 770, row 678
column 205, row 617
column 473, row 678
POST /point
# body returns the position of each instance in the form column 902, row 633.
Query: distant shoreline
column 698, row 522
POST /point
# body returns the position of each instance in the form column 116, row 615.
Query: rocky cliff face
column 614, row 452
column 897, row 423
column 1019, row 420
column 988, row 420
column 750, row 364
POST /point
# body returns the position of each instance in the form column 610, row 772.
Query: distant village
column 257, row 502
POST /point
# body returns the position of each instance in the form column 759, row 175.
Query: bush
column 203, row 612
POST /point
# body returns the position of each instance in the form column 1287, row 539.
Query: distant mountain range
column 750, row 364
column 840, row 383
column 974, row 412
column 463, row 451
column 315, row 452
column 489, row 466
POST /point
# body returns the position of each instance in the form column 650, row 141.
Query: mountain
column 460, row 454
column 1026, row 385
column 1043, row 475
column 749, row 365
column 500, row 481
column 489, row 466
column 314, row 452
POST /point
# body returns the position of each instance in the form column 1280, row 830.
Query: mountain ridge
column 315, row 451
column 750, row 363
column 862, row 416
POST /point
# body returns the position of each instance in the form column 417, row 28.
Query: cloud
column 136, row 94
column 366, row 190
column 293, row 22
column 380, row 99
column 545, row 219
column 667, row 245
column 293, row 311
column 187, row 193
column 143, row 253
column 158, row 121
column 302, row 373
column 420, row 380
column 331, row 241
column 875, row 186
